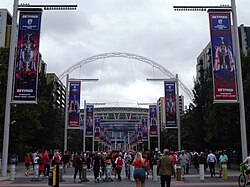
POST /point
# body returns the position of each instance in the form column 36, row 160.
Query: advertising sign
column 144, row 123
column 170, row 104
column 27, row 57
column 97, row 132
column 224, row 73
column 153, row 120
column 89, row 120
column 74, row 105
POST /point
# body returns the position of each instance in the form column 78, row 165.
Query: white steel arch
column 130, row 56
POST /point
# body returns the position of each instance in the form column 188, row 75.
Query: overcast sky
column 149, row 28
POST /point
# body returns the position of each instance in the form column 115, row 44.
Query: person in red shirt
column 139, row 172
column 119, row 163
column 46, row 163
column 27, row 160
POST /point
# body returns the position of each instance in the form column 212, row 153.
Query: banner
column 89, row 120
column 144, row 123
column 170, row 104
column 27, row 58
column 224, row 74
column 153, row 120
column 97, row 132
column 74, row 105
column 139, row 133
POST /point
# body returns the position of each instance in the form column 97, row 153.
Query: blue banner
column 170, row 105
column 224, row 73
column 89, row 120
column 74, row 105
column 97, row 132
column 27, row 57
column 153, row 120
column 144, row 122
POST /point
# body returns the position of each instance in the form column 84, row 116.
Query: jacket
column 165, row 166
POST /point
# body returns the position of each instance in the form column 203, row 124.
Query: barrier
column 201, row 172
column 178, row 172
column 155, row 177
column 12, row 172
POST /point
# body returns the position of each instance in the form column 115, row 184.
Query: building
column 5, row 27
column 59, row 90
column 244, row 38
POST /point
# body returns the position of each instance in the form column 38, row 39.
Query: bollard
column 201, row 171
column 178, row 172
column 50, row 178
column 0, row 165
column 12, row 172
column 61, row 173
column 84, row 174
column 131, row 169
column 224, row 171
column 155, row 177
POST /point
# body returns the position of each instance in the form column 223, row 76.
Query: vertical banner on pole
column 140, row 133
column 89, row 120
column 153, row 120
column 97, row 131
column 74, row 105
column 170, row 104
column 27, row 57
column 224, row 74
column 144, row 122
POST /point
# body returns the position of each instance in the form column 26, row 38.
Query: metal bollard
column 131, row 169
column 155, row 177
column 224, row 171
column 201, row 171
column 61, row 173
column 178, row 172
column 0, row 165
column 12, row 172
column 50, row 178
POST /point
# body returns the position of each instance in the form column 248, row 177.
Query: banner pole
column 178, row 113
column 66, row 114
column 9, row 90
column 84, row 127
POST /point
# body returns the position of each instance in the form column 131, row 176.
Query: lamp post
column 177, row 104
column 238, row 65
column 16, row 6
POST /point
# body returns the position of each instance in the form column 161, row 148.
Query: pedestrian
column 223, row 159
column 46, row 163
column 56, row 159
column 119, row 163
column 65, row 160
column 202, row 160
column 40, row 165
column 96, row 165
column 165, row 168
column 211, row 160
column 183, row 160
column 27, row 161
column 139, row 172
column 77, row 162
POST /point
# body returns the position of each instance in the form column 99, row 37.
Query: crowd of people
column 143, row 163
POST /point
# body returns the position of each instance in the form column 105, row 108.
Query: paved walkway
column 190, row 180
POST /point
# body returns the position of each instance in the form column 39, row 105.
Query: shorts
column 139, row 173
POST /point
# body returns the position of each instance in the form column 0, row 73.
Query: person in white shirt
column 211, row 160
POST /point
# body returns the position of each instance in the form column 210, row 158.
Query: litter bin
column 178, row 172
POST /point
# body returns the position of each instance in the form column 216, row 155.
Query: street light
column 10, row 83
column 176, row 80
column 238, row 66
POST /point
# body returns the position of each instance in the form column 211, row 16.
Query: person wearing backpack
column 119, row 163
